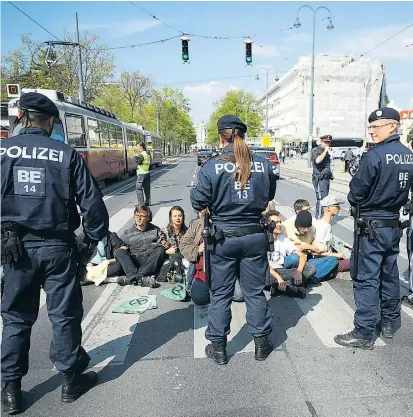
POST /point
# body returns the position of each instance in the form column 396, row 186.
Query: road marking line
column 161, row 218
column 328, row 314
column 238, row 330
column 107, row 335
column 408, row 311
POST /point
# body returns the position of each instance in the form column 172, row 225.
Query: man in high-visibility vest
column 143, row 182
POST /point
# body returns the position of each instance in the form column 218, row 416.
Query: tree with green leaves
column 241, row 104
column 27, row 65
column 410, row 135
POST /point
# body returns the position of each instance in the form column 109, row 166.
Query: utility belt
column 328, row 175
column 216, row 234
column 13, row 236
column 366, row 227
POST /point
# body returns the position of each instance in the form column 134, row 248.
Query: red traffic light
column 13, row 90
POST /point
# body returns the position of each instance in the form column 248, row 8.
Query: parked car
column 203, row 155
column 271, row 156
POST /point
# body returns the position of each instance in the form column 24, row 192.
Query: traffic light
column 248, row 51
column 185, row 48
column 13, row 90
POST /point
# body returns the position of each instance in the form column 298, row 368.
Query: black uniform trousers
column 321, row 188
column 54, row 269
column 245, row 257
column 143, row 185
column 376, row 286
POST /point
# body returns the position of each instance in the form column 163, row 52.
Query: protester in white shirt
column 288, row 281
column 323, row 229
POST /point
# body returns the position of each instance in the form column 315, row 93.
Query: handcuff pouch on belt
column 11, row 245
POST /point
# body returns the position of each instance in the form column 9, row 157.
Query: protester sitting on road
column 171, row 236
column 323, row 227
column 289, row 281
column 192, row 248
column 299, row 205
column 303, row 236
column 144, row 243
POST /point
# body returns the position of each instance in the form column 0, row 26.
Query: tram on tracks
column 107, row 144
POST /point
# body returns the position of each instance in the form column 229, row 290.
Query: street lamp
column 330, row 26
column 267, row 70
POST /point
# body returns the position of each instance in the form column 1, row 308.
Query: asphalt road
column 153, row 365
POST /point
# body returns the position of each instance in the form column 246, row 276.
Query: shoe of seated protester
column 148, row 282
column 290, row 291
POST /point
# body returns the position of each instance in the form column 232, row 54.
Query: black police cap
column 326, row 138
column 384, row 113
column 231, row 122
column 38, row 103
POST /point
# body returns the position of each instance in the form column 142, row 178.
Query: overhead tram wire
column 157, row 18
column 367, row 52
column 144, row 44
column 34, row 21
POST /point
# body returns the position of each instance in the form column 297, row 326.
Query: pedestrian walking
column 348, row 156
column 143, row 176
column 42, row 180
column 378, row 190
column 322, row 174
column 236, row 187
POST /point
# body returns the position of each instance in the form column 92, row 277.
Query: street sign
column 266, row 140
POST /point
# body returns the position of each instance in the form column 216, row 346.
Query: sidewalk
column 297, row 169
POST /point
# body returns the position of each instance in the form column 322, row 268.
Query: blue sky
column 358, row 27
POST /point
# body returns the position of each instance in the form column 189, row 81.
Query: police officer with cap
column 42, row 181
column 322, row 175
column 377, row 192
column 236, row 187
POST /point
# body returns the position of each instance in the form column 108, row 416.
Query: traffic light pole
column 267, row 70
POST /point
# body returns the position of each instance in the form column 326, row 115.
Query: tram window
column 130, row 134
column 58, row 132
column 93, row 130
column 119, row 137
column 75, row 131
column 112, row 136
column 104, row 135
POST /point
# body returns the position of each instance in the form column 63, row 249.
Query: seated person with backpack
column 288, row 281
column 192, row 248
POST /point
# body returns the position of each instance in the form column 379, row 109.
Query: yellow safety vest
column 143, row 168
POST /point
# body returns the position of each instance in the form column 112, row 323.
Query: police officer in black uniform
column 377, row 192
column 236, row 187
column 322, row 175
column 42, row 180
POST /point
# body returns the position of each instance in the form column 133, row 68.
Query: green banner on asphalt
column 137, row 305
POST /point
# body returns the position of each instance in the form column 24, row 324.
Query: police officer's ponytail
column 242, row 153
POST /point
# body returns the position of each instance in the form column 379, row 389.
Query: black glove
column 11, row 248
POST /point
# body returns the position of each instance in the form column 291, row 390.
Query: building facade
column 201, row 135
column 344, row 96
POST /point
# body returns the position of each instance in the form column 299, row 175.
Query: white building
column 201, row 135
column 343, row 97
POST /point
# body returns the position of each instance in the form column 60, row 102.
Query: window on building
column 76, row 135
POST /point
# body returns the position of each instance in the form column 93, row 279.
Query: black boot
column 75, row 385
column 11, row 398
column 388, row 330
column 263, row 348
column 294, row 291
column 351, row 340
column 217, row 351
